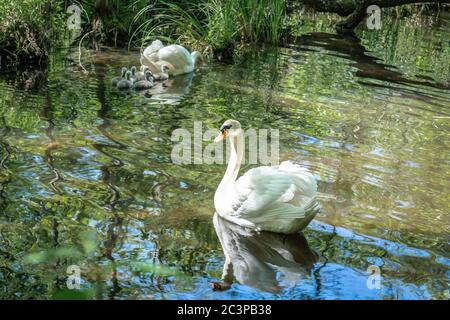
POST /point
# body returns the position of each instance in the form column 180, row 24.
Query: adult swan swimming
column 277, row 199
column 175, row 57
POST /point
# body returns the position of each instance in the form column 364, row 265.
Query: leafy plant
column 27, row 28
column 212, row 24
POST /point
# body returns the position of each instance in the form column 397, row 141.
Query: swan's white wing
column 278, row 199
column 259, row 188
column 154, row 68
column 155, row 46
column 178, row 57
column 305, row 183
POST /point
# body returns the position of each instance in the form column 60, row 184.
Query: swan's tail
column 312, row 207
column 304, row 180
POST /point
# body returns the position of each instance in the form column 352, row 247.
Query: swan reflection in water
column 255, row 259
column 170, row 91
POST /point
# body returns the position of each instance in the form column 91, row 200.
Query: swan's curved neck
column 236, row 155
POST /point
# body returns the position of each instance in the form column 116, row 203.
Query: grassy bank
column 215, row 25
column 29, row 28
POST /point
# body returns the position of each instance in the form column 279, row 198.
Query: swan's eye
column 225, row 127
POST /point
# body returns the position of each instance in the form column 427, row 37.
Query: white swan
column 278, row 199
column 152, row 50
column 176, row 57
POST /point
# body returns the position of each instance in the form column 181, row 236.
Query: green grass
column 26, row 29
column 211, row 24
column 29, row 28
column 116, row 18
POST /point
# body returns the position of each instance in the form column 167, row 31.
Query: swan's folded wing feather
column 259, row 188
column 151, row 65
column 304, row 180
column 177, row 55
column 152, row 48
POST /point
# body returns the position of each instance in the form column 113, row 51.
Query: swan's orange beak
column 222, row 135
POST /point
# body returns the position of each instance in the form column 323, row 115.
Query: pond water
column 86, row 176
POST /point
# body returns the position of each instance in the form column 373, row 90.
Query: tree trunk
column 355, row 10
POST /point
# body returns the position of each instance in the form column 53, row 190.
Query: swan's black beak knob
column 223, row 133
column 225, row 127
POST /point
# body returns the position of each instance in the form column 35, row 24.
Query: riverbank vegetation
column 30, row 28
column 214, row 25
